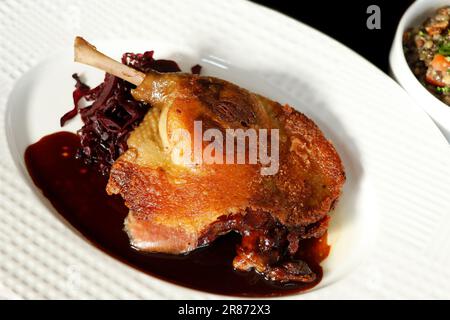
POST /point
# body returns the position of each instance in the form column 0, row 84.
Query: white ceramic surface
column 414, row 16
column 389, row 229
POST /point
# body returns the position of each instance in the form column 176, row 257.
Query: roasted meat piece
column 176, row 207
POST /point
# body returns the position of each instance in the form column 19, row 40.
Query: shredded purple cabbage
column 113, row 113
column 196, row 69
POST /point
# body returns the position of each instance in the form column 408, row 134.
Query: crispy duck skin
column 176, row 209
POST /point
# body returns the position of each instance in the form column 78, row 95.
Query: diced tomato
column 437, row 69
column 436, row 28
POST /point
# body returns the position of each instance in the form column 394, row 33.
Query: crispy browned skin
column 175, row 209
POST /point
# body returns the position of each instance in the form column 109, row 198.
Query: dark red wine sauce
column 78, row 194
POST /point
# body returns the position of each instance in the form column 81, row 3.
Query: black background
column 345, row 21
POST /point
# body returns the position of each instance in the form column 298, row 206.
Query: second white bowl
column 414, row 16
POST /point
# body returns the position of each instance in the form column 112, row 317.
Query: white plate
column 390, row 231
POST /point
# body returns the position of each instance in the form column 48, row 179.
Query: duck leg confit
column 176, row 207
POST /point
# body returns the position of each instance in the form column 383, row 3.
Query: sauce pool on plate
column 78, row 194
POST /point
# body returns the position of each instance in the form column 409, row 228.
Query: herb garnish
column 443, row 90
column 444, row 49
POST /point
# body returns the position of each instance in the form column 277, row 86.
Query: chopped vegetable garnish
column 427, row 51
column 443, row 90
column 444, row 49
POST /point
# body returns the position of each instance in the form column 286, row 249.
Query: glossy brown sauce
column 78, row 194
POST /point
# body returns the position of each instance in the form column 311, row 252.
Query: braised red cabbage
column 112, row 113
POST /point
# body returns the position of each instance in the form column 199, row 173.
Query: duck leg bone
column 87, row 54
